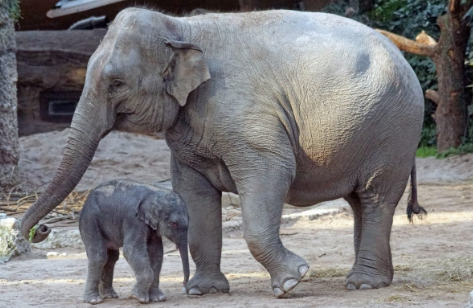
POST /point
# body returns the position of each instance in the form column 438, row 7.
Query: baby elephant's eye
column 174, row 225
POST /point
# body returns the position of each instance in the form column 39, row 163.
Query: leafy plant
column 423, row 152
column 13, row 7
column 462, row 149
column 33, row 232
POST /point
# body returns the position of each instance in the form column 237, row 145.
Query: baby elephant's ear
column 148, row 212
column 185, row 71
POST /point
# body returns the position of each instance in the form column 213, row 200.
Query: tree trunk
column 8, row 102
column 449, row 58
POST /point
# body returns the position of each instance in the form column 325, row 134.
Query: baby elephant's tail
column 412, row 204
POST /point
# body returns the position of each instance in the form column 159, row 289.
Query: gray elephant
column 133, row 216
column 276, row 106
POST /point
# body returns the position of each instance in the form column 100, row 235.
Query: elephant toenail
column 303, row 270
column 290, row 284
column 278, row 292
column 161, row 298
column 213, row 290
column 365, row 287
column 351, row 287
column 195, row 291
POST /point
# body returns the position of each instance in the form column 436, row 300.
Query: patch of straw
column 328, row 273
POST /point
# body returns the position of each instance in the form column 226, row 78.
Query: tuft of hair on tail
column 413, row 206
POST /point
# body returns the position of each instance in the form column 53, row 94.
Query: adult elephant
column 277, row 106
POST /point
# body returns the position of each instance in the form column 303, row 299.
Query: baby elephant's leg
column 106, row 288
column 155, row 251
column 136, row 253
column 97, row 258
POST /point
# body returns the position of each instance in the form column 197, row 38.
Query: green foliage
column 423, row 152
column 32, row 232
column 408, row 17
column 462, row 149
column 13, row 7
column 428, row 137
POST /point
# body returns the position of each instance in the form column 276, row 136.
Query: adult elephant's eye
column 115, row 84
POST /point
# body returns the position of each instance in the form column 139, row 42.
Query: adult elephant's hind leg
column 262, row 202
column 373, row 266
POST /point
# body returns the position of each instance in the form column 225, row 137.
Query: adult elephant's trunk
column 84, row 137
column 183, row 251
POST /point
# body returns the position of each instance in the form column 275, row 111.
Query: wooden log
column 50, row 61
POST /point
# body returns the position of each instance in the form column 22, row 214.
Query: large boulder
column 12, row 243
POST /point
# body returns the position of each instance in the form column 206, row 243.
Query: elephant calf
column 133, row 216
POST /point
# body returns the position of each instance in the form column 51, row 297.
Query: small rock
column 10, row 223
column 60, row 239
column 52, row 254
column 64, row 254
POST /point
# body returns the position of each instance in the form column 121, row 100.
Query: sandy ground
column 433, row 258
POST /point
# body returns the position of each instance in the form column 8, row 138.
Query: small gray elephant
column 133, row 216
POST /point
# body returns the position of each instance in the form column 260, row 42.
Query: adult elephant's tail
column 412, row 204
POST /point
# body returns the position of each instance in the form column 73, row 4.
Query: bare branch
column 433, row 96
column 409, row 45
column 426, row 39
column 454, row 4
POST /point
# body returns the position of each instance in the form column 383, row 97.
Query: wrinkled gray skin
column 133, row 216
column 277, row 106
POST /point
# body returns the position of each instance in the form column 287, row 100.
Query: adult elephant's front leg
column 263, row 195
column 205, row 228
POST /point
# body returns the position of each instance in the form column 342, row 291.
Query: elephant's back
column 316, row 52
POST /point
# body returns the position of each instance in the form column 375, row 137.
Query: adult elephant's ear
column 186, row 70
column 147, row 211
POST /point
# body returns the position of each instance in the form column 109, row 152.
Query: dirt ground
column 433, row 258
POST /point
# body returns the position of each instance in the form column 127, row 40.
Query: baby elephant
column 133, row 216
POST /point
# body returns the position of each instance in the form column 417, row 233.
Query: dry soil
column 433, row 257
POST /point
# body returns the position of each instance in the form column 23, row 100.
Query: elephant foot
column 284, row 281
column 155, row 295
column 93, row 299
column 364, row 280
column 107, row 292
column 141, row 296
column 207, row 283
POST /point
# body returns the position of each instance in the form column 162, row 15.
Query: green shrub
column 462, row 149
column 13, row 7
column 423, row 152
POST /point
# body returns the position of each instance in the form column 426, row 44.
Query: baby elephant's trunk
column 182, row 246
